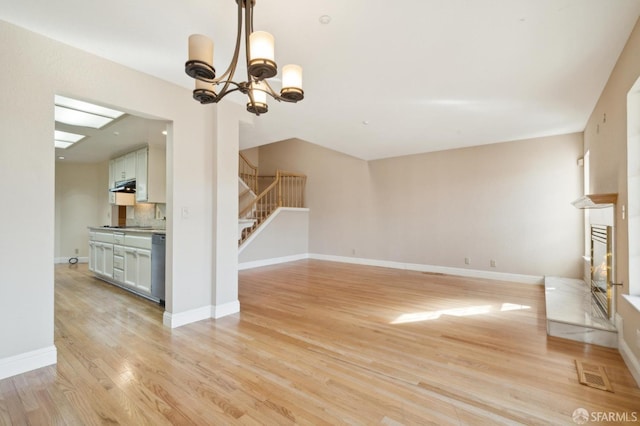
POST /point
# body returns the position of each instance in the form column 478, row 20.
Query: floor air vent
column 593, row 375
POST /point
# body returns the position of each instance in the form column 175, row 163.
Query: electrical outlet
column 467, row 261
column 492, row 263
column 353, row 252
column 77, row 251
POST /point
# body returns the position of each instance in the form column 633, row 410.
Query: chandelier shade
column 260, row 64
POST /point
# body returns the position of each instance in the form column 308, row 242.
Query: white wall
column 79, row 189
column 284, row 235
column 510, row 202
column 606, row 139
column 34, row 70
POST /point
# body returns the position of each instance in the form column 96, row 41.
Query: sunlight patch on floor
column 458, row 312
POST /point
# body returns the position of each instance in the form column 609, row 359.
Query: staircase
column 284, row 189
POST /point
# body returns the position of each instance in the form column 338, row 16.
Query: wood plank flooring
column 316, row 343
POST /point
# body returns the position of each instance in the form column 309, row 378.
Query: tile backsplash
column 144, row 214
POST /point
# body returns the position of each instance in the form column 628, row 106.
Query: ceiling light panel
column 80, row 118
column 62, row 144
column 87, row 107
column 66, row 136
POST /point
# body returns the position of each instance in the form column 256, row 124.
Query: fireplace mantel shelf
column 595, row 201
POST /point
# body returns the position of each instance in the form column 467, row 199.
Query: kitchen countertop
column 128, row 229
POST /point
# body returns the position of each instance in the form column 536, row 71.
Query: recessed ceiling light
column 325, row 19
column 61, row 158
column 164, row 132
column 365, row 122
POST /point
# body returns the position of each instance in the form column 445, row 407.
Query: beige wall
column 507, row 202
column 337, row 193
column 79, row 193
column 286, row 235
column 197, row 180
column 606, row 139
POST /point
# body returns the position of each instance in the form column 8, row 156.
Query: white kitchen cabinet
column 122, row 258
column 119, row 172
column 151, row 182
column 112, row 173
column 124, row 168
column 103, row 264
column 92, row 255
column 130, row 171
column 137, row 268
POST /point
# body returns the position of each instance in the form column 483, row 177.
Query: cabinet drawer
column 105, row 237
column 138, row 241
column 118, row 275
column 118, row 262
column 118, row 250
column 118, row 238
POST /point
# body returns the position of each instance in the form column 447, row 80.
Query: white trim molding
column 272, row 261
column 472, row 273
column 625, row 351
column 28, row 361
column 219, row 311
column 194, row 315
column 174, row 320
column 59, row 260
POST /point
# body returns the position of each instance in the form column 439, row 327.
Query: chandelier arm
column 231, row 70
column 248, row 28
column 274, row 94
column 226, row 92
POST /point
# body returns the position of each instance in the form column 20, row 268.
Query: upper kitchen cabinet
column 151, row 182
column 122, row 168
column 125, row 167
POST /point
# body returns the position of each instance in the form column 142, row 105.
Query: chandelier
column 261, row 65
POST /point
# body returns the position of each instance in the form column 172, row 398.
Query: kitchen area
column 111, row 203
column 130, row 252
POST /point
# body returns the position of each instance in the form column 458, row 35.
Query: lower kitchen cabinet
column 101, row 254
column 122, row 258
column 137, row 268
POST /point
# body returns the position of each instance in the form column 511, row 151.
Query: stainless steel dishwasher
column 157, row 267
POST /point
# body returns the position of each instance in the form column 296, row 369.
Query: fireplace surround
column 602, row 268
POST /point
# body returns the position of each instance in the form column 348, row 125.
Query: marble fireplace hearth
column 572, row 313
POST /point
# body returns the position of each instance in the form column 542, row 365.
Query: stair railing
column 286, row 190
column 248, row 173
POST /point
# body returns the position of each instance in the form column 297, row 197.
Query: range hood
column 595, row 201
column 125, row 186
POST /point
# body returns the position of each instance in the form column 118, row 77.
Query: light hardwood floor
column 316, row 343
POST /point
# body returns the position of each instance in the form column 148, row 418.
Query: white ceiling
column 425, row 75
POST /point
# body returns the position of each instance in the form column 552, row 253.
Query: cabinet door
column 144, row 270
column 112, row 176
column 141, row 175
column 119, row 169
column 99, row 258
column 130, row 266
column 107, row 251
column 130, row 166
column 92, row 255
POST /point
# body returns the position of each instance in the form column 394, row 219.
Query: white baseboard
column 58, row 260
column 472, row 273
column 272, row 261
column 219, row 311
column 27, row 361
column 625, row 351
column 182, row 318
column 179, row 319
